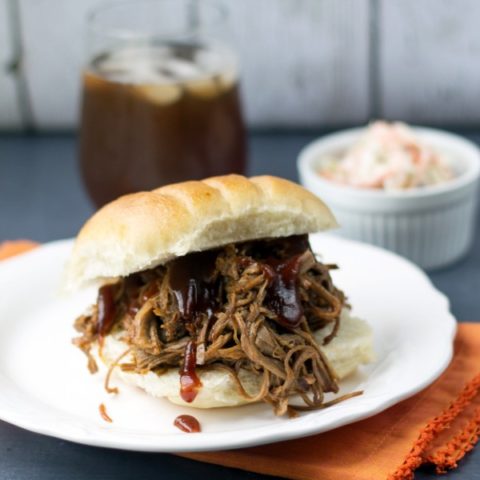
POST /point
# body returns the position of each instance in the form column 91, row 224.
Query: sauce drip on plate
column 187, row 424
column 103, row 413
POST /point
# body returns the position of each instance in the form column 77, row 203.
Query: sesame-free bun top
column 146, row 229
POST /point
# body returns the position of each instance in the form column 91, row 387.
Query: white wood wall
column 10, row 117
column 305, row 63
column 430, row 61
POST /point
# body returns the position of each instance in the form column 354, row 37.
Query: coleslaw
column 388, row 156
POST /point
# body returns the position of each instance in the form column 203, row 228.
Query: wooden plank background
column 53, row 34
column 10, row 117
column 430, row 61
column 304, row 63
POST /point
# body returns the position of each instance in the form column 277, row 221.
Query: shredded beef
column 239, row 326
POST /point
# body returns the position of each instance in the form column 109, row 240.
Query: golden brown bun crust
column 146, row 229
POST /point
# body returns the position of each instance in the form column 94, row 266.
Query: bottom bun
column 352, row 347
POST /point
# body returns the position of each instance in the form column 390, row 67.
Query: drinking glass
column 160, row 97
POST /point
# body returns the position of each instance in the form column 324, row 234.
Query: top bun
column 146, row 229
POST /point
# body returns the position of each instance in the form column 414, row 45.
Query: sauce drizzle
column 187, row 423
column 106, row 309
column 189, row 381
column 282, row 293
column 191, row 279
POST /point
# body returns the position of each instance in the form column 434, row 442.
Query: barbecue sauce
column 187, row 424
column 192, row 282
column 189, row 381
column 191, row 279
column 296, row 244
column 283, row 296
column 106, row 309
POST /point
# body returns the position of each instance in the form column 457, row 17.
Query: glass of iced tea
column 160, row 97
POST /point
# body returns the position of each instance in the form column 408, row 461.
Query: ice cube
column 228, row 79
column 181, row 69
column 159, row 94
column 134, row 64
column 209, row 61
column 204, row 87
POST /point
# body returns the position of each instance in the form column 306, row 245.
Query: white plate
column 45, row 387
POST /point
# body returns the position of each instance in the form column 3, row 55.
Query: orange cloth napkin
column 9, row 249
column 438, row 426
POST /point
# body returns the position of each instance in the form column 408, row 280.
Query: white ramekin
column 432, row 226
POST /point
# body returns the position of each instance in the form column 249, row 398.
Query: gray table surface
column 42, row 198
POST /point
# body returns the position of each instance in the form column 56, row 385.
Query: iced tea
column 154, row 115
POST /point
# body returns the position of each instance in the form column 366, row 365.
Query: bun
column 350, row 348
column 146, row 229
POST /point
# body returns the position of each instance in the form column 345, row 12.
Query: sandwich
column 209, row 294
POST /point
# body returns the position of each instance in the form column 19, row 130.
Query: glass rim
column 221, row 13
